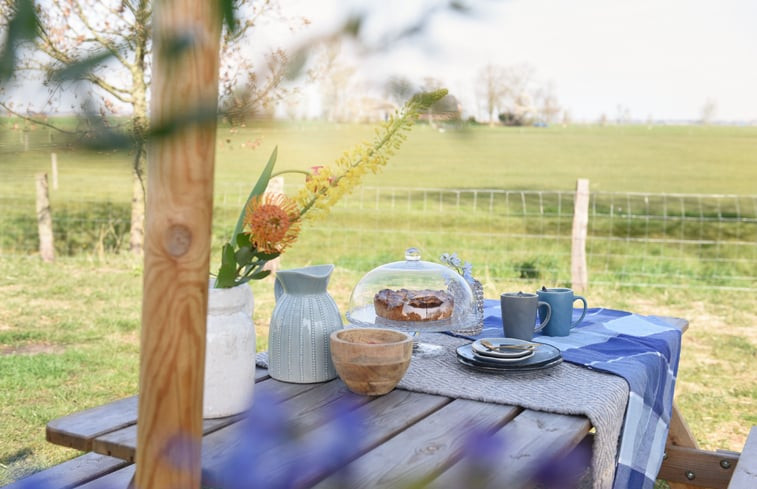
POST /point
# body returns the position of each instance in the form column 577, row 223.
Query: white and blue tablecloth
column 644, row 350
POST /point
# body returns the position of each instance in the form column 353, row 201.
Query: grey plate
column 506, row 359
column 480, row 349
column 543, row 355
column 509, row 370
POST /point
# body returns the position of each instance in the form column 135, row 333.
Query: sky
column 652, row 59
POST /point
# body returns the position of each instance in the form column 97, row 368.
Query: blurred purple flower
column 565, row 472
column 271, row 452
column 483, row 448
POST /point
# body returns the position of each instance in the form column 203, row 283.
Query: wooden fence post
column 177, row 245
column 579, row 275
column 44, row 219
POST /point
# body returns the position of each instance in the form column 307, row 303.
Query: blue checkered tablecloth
column 644, row 350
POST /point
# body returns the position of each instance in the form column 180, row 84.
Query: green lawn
column 69, row 331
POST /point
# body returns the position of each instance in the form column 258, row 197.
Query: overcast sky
column 660, row 59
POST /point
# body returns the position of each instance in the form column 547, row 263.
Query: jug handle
column 278, row 289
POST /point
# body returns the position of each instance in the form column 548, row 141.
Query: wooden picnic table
column 407, row 434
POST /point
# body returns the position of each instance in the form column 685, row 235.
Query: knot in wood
column 178, row 239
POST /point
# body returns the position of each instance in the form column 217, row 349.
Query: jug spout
column 303, row 281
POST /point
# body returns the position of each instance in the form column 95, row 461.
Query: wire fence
column 634, row 239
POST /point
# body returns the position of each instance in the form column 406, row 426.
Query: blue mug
column 561, row 314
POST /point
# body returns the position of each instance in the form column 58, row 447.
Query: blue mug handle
column 577, row 298
column 546, row 319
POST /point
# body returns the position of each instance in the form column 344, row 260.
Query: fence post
column 44, row 220
column 579, row 275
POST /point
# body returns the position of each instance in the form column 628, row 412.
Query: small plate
column 480, row 349
column 522, row 355
column 543, row 355
column 499, row 370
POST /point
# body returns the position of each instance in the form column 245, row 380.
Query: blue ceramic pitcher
column 302, row 321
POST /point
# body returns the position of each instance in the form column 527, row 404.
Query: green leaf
column 257, row 190
column 243, row 239
column 227, row 10
column 227, row 274
column 80, row 69
column 424, row 100
column 23, row 27
column 266, row 256
column 260, row 274
column 244, row 255
column 255, row 276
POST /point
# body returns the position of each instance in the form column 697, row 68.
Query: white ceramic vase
column 229, row 351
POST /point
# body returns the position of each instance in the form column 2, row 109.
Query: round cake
column 413, row 305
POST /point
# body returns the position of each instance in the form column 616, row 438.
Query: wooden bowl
column 371, row 361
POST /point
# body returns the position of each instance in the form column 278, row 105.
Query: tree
column 521, row 100
column 335, row 77
column 493, row 87
column 546, row 104
column 399, row 88
column 506, row 92
column 106, row 46
column 709, row 109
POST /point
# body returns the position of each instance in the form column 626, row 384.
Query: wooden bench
column 83, row 472
column 745, row 473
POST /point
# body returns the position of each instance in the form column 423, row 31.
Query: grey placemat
column 564, row 389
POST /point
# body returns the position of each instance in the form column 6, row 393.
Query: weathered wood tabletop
column 406, row 435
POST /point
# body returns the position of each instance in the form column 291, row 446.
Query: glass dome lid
column 413, row 295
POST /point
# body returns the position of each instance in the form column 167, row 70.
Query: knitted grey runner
column 563, row 389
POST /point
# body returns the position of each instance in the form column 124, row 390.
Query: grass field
column 685, row 159
column 69, row 331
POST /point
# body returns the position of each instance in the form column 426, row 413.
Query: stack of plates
column 477, row 355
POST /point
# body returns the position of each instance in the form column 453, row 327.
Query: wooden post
column 579, row 275
column 44, row 219
column 177, row 246
column 54, row 164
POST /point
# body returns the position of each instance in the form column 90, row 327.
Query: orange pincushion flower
column 273, row 221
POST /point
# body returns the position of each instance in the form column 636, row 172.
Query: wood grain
column 377, row 420
column 579, row 274
column 692, row 467
column 78, row 430
column 120, row 479
column 426, row 447
column 71, row 473
column 528, row 441
column 96, row 428
column 44, row 219
column 122, row 442
column 679, row 435
column 177, row 244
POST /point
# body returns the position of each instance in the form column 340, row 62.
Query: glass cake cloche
column 413, row 295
